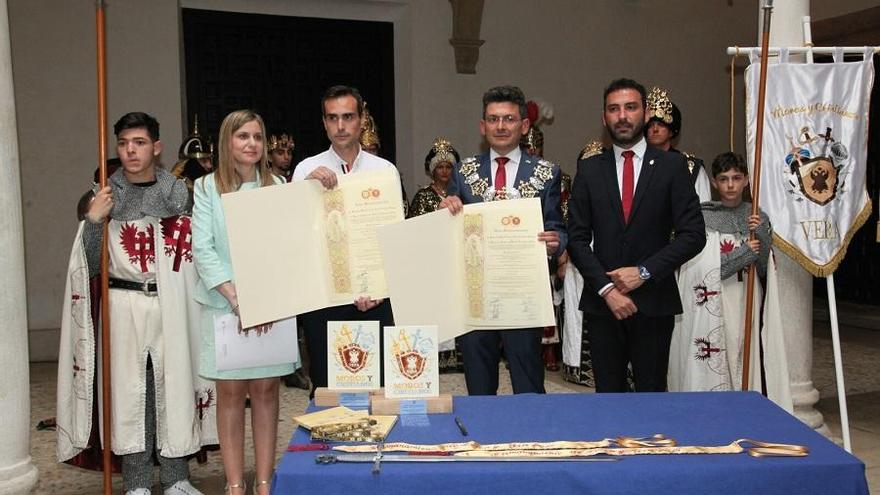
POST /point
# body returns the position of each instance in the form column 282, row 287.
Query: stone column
column 467, row 16
column 795, row 283
column 17, row 473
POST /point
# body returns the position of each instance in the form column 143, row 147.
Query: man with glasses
column 507, row 171
column 343, row 112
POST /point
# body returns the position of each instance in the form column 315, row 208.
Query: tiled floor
column 861, row 355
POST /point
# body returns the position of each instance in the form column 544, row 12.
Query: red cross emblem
column 177, row 235
column 705, row 349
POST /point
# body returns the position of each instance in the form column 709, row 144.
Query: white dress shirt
column 510, row 169
column 362, row 163
column 639, row 150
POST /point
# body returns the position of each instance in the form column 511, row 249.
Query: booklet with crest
column 298, row 247
column 353, row 355
column 483, row 269
column 411, row 355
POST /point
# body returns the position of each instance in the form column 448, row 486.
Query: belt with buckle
column 148, row 287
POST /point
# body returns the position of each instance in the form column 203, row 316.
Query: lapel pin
column 651, row 162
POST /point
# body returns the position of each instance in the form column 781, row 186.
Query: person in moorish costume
column 707, row 344
column 196, row 157
column 369, row 137
column 438, row 166
column 280, row 153
column 577, row 364
column 370, row 142
column 663, row 128
column 280, row 149
column 158, row 403
column 533, row 142
column 242, row 166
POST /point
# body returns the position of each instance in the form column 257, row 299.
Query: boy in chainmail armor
column 157, row 401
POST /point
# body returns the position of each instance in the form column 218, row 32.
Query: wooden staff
column 105, row 255
column 756, row 190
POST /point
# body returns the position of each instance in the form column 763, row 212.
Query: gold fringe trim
column 827, row 269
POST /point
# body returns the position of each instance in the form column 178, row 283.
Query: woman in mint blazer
column 242, row 165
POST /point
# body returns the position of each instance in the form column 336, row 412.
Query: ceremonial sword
column 376, row 459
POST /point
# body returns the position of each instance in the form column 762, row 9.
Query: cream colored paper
column 297, row 247
column 470, row 271
column 515, row 291
column 352, row 212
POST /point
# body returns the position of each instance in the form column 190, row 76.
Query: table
column 696, row 418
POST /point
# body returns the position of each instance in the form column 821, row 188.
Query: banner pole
column 106, row 425
column 838, row 363
column 756, row 191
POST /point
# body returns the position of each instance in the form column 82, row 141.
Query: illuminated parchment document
column 482, row 269
column 298, row 247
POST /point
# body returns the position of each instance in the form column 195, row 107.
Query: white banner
column 814, row 153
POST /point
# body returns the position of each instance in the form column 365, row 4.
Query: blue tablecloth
column 707, row 418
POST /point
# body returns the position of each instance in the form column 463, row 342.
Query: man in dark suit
column 507, row 171
column 638, row 208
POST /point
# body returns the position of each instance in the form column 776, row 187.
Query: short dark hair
column 339, row 91
column 624, row 83
column 506, row 94
column 728, row 161
column 134, row 120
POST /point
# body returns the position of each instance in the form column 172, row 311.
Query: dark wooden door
column 856, row 278
column 280, row 66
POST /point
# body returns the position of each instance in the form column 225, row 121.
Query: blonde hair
column 225, row 177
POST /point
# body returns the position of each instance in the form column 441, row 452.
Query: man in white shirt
column 343, row 110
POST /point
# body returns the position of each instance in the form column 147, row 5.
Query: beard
column 626, row 135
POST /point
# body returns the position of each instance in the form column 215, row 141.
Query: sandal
column 241, row 485
column 257, row 485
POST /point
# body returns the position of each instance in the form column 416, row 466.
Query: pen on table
column 461, row 427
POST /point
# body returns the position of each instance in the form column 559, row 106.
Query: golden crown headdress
column 369, row 132
column 592, row 148
column 443, row 152
column 659, row 105
column 282, row 142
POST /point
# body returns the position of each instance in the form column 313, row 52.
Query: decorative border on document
column 336, row 233
column 473, row 263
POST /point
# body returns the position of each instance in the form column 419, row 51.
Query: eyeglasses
column 507, row 119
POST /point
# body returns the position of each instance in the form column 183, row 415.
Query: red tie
column 501, row 173
column 626, row 194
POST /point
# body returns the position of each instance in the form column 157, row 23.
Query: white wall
column 54, row 70
column 563, row 51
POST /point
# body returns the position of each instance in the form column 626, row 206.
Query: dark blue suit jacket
column 665, row 229
column 549, row 192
